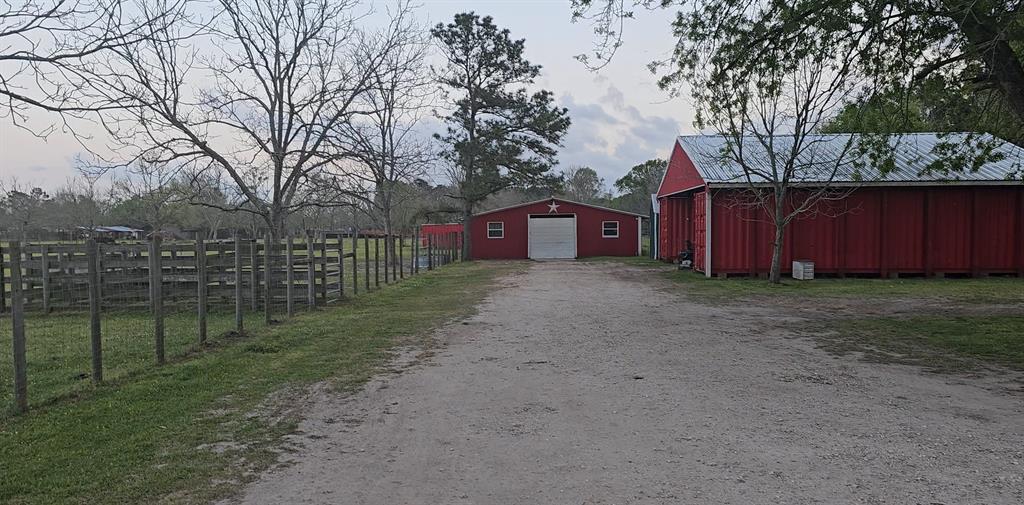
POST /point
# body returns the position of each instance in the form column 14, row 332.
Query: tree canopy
column 499, row 134
column 891, row 47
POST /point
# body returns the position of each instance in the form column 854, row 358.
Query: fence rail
column 317, row 268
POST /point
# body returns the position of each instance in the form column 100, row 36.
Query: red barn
column 554, row 228
column 441, row 235
column 910, row 221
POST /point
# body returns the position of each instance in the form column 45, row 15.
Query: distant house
column 908, row 221
column 112, row 232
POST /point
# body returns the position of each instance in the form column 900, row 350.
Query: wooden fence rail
column 311, row 270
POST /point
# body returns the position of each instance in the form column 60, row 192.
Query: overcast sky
column 619, row 116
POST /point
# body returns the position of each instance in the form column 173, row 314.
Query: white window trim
column 489, row 223
column 617, row 226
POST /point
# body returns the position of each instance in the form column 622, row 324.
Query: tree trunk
column 1002, row 61
column 467, row 241
column 779, row 220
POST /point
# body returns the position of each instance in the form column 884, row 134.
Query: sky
column 619, row 116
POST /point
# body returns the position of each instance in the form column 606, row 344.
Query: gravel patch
column 577, row 384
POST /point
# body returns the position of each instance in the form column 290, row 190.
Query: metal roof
column 913, row 154
column 560, row 199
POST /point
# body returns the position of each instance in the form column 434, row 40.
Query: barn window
column 610, row 229
column 496, row 229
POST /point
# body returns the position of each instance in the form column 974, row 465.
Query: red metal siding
column 902, row 230
column 729, row 226
column 949, row 223
column 676, row 226
column 699, row 231
column 441, row 233
column 680, row 175
column 589, row 241
column 952, row 229
column 996, row 232
column 862, row 246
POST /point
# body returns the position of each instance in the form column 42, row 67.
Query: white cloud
column 612, row 136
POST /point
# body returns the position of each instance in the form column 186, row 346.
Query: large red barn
column 911, row 221
column 554, row 228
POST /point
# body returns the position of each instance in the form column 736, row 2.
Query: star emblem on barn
column 552, row 207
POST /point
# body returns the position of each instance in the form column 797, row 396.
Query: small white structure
column 803, row 270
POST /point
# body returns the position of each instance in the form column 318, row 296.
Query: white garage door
column 552, row 237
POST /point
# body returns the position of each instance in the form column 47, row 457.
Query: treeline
column 73, row 210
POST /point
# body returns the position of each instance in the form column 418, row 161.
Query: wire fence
column 92, row 312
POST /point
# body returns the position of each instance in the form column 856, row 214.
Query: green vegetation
column 936, row 336
column 185, row 432
column 941, row 343
column 59, row 359
column 992, row 290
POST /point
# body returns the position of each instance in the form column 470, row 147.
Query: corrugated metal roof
column 914, row 156
column 560, row 199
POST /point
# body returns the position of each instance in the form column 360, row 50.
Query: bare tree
column 78, row 202
column 23, row 206
column 44, row 43
column 150, row 189
column 582, row 184
column 770, row 127
column 386, row 143
column 253, row 93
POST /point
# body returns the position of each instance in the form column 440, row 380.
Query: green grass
column 58, row 348
column 941, row 343
column 140, row 439
column 991, row 290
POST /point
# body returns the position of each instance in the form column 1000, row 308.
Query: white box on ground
column 803, row 270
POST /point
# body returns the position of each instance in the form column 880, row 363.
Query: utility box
column 803, row 270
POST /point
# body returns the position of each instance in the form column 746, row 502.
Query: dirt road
column 582, row 383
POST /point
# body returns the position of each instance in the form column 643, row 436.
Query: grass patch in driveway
column 186, row 432
column 941, row 343
column 987, row 290
column 990, row 290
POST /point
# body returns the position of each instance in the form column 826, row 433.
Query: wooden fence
column 313, row 269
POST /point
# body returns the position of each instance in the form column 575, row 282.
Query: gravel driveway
column 594, row 383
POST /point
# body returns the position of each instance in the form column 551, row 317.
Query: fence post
column 18, row 331
column 415, row 267
column 386, row 256
column 355, row 265
column 222, row 268
column 376, row 260
column 254, row 275
column 238, row 285
column 394, row 258
column 341, row 266
column 401, row 261
column 289, row 276
column 44, row 264
column 310, row 270
column 156, row 296
column 366, row 261
column 3, row 282
column 430, row 252
column 268, row 276
column 95, row 336
column 323, row 267
column 201, row 287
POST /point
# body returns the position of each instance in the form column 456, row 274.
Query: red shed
column 909, row 221
column 441, row 234
column 554, row 228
